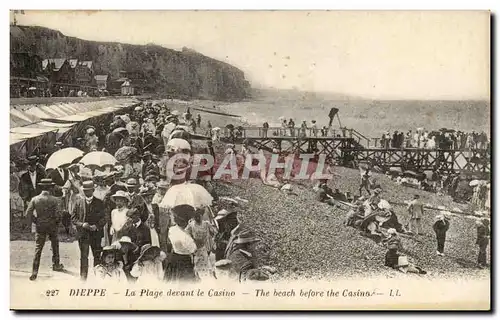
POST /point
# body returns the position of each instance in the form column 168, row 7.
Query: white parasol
column 216, row 129
column 98, row 159
column 63, row 157
column 474, row 183
column 187, row 193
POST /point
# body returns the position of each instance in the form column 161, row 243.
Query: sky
column 377, row 54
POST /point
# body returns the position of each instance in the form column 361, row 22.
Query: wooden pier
column 350, row 148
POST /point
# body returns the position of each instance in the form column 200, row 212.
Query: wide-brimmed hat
column 146, row 191
column 391, row 231
column 152, row 177
column 47, row 182
column 107, row 250
column 224, row 213
column 88, row 185
column 162, row 184
column 32, row 159
column 224, row 264
column 132, row 182
column 90, row 130
column 245, row 237
column 256, row 275
column 120, row 194
column 58, row 143
column 148, row 248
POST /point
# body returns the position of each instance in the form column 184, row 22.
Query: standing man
column 43, row 211
column 88, row 218
column 365, row 182
column 440, row 227
column 483, row 239
column 28, row 182
column 416, row 211
column 265, row 127
column 198, row 120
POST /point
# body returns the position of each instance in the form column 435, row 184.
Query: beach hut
column 127, row 89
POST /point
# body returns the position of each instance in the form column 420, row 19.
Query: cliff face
column 168, row 71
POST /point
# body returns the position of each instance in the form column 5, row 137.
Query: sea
column 369, row 117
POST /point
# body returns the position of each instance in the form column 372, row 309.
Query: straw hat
column 391, row 231
column 162, row 185
column 46, row 182
column 245, row 237
column 146, row 191
column 32, row 159
column 120, row 194
column 224, row 214
column 147, row 248
column 88, row 185
column 224, row 264
column 108, row 250
column 131, row 183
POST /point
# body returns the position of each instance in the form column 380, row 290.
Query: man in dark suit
column 43, row 211
column 88, row 219
column 28, row 184
column 59, row 176
column 134, row 228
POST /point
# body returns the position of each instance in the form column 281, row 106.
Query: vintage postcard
column 250, row 160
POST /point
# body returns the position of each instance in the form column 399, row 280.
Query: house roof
column 101, row 77
column 87, row 64
column 126, row 84
column 58, row 63
column 73, row 63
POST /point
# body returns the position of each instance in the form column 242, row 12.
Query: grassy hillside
column 183, row 72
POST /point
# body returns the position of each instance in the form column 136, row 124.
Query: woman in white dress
column 73, row 186
column 119, row 214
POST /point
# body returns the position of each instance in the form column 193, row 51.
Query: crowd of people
column 129, row 214
column 376, row 219
column 443, row 139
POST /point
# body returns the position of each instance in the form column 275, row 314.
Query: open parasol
column 187, row 193
column 216, row 129
column 63, row 157
column 98, row 159
column 474, row 183
column 124, row 152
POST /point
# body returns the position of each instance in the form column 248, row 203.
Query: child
column 393, row 245
column 109, row 269
column 440, row 227
column 148, row 267
column 202, row 233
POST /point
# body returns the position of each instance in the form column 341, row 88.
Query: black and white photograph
column 250, row 160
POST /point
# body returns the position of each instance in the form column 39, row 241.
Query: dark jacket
column 57, row 179
column 26, row 189
column 483, row 235
column 140, row 235
column 440, row 227
column 144, row 212
column 92, row 213
column 48, row 214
